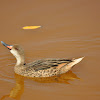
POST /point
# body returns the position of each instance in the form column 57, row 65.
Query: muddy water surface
column 70, row 29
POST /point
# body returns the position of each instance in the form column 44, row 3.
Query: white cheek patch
column 17, row 56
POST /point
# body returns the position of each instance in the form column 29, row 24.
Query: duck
column 47, row 67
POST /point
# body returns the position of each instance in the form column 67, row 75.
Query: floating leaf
column 31, row 27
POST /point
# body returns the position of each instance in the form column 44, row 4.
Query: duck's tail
column 67, row 67
column 75, row 61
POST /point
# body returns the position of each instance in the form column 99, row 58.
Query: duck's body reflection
column 18, row 90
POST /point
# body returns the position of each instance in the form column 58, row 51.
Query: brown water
column 70, row 28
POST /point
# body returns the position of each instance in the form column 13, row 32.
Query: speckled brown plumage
column 42, row 68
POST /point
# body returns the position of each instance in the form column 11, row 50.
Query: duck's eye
column 16, row 48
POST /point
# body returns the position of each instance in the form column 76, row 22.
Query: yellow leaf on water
column 31, row 27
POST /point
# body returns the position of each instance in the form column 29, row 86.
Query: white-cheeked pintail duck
column 39, row 68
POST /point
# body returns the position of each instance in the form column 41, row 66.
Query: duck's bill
column 6, row 45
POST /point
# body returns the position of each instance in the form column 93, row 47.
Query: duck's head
column 17, row 51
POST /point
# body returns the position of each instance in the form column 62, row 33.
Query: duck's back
column 44, row 64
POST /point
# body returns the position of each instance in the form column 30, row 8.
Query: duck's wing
column 44, row 64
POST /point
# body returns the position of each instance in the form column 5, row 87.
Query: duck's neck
column 20, row 58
